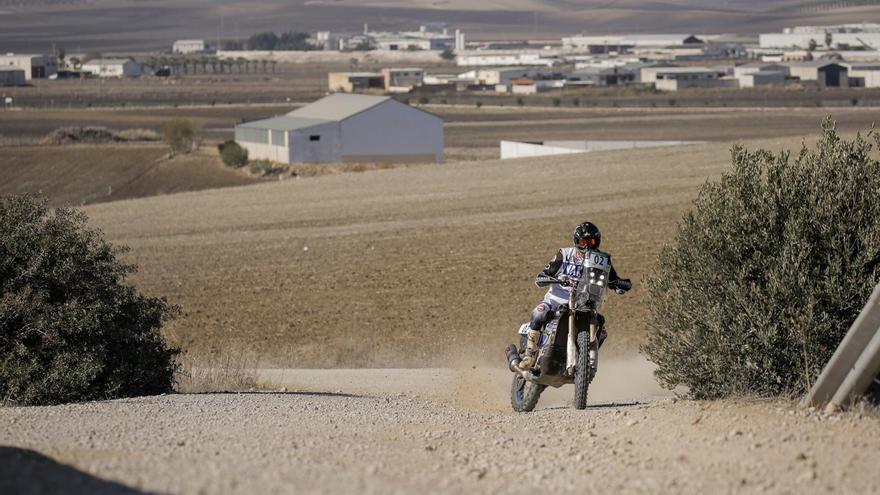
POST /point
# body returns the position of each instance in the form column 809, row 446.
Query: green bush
column 232, row 154
column 181, row 135
column 70, row 330
column 768, row 271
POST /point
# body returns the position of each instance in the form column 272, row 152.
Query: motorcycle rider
column 566, row 267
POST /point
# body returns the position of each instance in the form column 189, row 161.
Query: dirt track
column 344, row 431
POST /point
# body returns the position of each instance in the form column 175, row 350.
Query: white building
column 761, row 78
column 859, row 36
column 346, row 128
column 826, row 74
column 34, row 66
column 677, row 78
column 11, row 76
column 625, row 42
column 504, row 75
column 112, row 67
column 504, row 59
column 864, row 75
column 192, row 46
column 423, row 39
column 751, row 68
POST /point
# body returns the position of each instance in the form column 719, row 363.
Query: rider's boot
column 531, row 351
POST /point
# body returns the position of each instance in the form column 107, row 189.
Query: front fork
column 572, row 350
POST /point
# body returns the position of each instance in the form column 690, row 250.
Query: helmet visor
column 587, row 242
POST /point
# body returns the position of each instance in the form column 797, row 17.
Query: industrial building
column 112, row 67
column 11, row 76
column 825, row 73
column 503, row 59
column 624, row 43
column 402, row 80
column 842, row 37
column 192, row 46
column 864, row 75
column 504, row 75
column 606, row 76
column 34, row 66
column 346, row 128
column 351, row 82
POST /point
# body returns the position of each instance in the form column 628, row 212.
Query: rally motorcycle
column 566, row 356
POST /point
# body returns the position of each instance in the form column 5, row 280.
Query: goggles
column 587, row 242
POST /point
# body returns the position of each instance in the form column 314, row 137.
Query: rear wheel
column 524, row 394
column 582, row 372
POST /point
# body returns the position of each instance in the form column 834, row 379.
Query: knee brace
column 540, row 316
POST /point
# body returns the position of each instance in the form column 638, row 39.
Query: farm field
column 75, row 175
column 81, row 174
column 403, row 267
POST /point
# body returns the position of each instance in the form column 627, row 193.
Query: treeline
column 268, row 41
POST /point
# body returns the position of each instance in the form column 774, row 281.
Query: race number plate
column 596, row 259
column 524, row 329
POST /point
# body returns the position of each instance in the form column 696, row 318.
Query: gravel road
column 434, row 431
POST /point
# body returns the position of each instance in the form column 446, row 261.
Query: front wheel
column 583, row 373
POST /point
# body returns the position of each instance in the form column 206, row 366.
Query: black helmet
column 589, row 233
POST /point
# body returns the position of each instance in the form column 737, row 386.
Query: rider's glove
column 622, row 286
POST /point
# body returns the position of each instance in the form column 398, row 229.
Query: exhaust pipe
column 513, row 358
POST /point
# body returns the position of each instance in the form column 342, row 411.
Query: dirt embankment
column 356, row 432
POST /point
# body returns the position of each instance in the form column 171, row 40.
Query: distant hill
column 132, row 25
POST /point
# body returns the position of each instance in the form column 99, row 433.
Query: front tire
column 582, row 372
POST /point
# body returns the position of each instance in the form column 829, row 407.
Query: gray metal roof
column 284, row 123
column 338, row 106
column 333, row 108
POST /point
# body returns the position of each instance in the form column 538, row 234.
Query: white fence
column 521, row 149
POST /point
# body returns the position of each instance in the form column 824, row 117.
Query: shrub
column 479, row 104
column 424, row 100
column 262, row 168
column 447, row 54
column 556, row 101
column 70, row 329
column 520, row 101
column 181, row 135
column 232, row 154
column 768, row 271
column 576, row 102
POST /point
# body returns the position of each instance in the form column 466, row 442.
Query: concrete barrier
column 855, row 363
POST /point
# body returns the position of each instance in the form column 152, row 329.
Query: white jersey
column 569, row 261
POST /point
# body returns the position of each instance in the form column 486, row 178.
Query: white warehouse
column 346, row 128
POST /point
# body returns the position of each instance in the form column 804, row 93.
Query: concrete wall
column 519, row 149
column 391, row 129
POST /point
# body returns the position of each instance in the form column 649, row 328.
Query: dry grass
column 218, row 373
